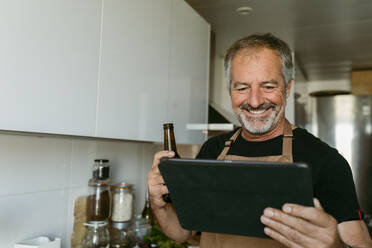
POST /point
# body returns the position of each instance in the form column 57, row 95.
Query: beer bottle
column 169, row 145
column 147, row 211
column 169, row 140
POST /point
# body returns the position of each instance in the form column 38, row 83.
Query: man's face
column 258, row 89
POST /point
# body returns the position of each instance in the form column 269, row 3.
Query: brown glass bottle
column 169, row 140
column 169, row 145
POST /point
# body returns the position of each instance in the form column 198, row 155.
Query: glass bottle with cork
column 169, row 145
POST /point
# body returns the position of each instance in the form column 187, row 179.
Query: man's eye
column 269, row 88
column 242, row 89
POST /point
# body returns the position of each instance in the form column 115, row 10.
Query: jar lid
column 122, row 185
column 121, row 225
column 98, row 183
column 96, row 224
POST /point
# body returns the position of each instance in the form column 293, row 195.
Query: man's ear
column 288, row 90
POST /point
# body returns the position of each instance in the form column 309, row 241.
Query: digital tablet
column 224, row 196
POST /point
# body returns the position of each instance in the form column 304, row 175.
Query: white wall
column 219, row 96
column 41, row 176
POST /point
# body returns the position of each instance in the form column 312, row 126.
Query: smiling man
column 258, row 91
column 259, row 73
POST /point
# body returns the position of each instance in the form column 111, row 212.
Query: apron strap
column 228, row 144
column 287, row 139
column 286, row 147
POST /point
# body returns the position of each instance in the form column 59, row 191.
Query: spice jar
column 97, row 235
column 141, row 228
column 99, row 200
column 121, row 235
column 101, row 169
column 122, row 204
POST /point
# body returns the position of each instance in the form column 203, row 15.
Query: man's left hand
column 299, row 226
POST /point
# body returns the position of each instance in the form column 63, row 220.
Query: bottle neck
column 147, row 201
column 169, row 140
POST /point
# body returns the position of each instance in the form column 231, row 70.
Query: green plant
column 158, row 237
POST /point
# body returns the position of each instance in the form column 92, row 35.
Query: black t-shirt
column 332, row 179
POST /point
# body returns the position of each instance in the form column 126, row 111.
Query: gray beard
column 260, row 125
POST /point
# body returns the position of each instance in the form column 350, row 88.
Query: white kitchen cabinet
column 134, row 69
column 154, row 69
column 189, row 72
column 104, row 68
column 49, row 60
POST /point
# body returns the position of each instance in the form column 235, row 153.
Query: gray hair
column 261, row 40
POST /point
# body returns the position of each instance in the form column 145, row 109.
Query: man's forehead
column 256, row 50
column 264, row 58
column 258, row 64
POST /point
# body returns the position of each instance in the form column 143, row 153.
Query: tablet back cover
column 230, row 196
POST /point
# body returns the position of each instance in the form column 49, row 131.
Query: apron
column 216, row 240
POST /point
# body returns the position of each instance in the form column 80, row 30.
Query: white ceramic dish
column 39, row 242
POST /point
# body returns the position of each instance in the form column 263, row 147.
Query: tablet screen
column 224, row 196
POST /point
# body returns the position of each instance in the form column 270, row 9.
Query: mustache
column 263, row 106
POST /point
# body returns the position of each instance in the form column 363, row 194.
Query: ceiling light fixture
column 244, row 10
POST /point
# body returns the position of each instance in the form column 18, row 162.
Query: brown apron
column 215, row 240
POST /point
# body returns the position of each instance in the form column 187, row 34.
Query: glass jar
column 122, row 202
column 99, row 201
column 121, row 235
column 101, row 169
column 141, row 228
column 97, row 235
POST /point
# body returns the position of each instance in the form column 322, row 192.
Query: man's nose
column 255, row 97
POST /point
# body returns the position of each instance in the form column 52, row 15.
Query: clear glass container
column 99, row 201
column 122, row 202
column 101, row 169
column 121, row 235
column 97, row 235
column 141, row 228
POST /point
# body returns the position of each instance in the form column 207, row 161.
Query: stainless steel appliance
column 345, row 122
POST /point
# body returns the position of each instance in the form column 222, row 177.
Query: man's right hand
column 164, row 212
column 155, row 181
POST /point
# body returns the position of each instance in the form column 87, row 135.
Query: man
column 259, row 73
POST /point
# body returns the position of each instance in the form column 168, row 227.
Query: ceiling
column 330, row 37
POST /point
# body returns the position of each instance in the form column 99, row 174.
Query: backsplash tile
column 82, row 159
column 42, row 176
column 25, row 216
column 32, row 164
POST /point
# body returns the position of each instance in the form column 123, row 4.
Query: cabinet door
column 134, row 69
column 189, row 72
column 49, row 58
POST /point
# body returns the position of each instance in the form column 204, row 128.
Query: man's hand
column 155, row 181
column 164, row 213
column 300, row 226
